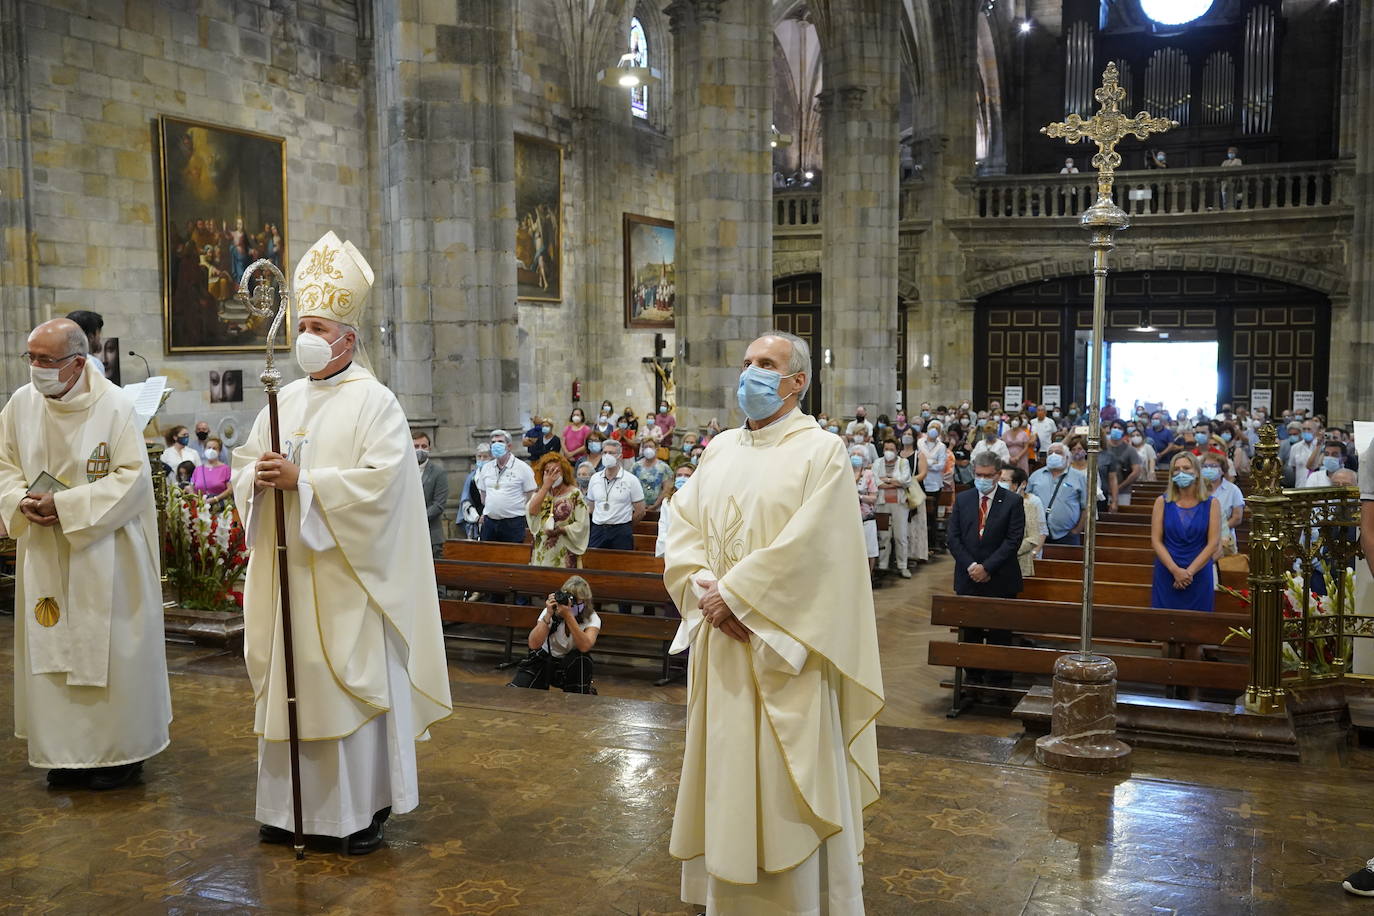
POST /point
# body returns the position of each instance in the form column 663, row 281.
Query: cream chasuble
column 371, row 674
column 90, row 667
column 781, row 754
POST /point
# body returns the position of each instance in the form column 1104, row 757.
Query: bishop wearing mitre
column 766, row 562
column 370, row 671
column 76, row 493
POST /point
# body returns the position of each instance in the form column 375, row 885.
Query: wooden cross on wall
column 663, row 372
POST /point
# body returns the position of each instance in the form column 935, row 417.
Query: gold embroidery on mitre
column 321, row 297
column 46, row 612
column 98, row 465
column 322, row 263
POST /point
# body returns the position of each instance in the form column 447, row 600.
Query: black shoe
column 269, row 834
column 367, row 840
column 380, row 817
column 1362, row 882
column 105, row 778
column 68, row 779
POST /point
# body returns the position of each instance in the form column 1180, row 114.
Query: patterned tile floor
column 546, row 804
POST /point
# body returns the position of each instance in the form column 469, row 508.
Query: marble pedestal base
column 1082, row 734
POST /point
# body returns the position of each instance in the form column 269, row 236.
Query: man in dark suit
column 984, row 534
column 434, row 482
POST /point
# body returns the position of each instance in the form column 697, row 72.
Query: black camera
column 563, row 598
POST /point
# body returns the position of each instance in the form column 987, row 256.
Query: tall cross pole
column 1103, row 219
column 1083, row 712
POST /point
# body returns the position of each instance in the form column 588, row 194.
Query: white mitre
column 332, row 281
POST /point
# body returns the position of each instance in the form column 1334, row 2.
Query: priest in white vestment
column 370, row 670
column 784, row 685
column 90, row 666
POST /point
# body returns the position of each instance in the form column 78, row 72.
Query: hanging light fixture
column 778, row 139
column 626, row 75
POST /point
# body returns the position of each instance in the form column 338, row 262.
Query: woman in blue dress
column 1185, row 532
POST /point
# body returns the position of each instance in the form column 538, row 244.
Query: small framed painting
column 650, row 281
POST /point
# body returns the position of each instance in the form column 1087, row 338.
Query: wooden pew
column 1145, row 555
column 517, row 554
column 519, row 579
column 1173, row 631
column 1072, row 571
column 1106, row 592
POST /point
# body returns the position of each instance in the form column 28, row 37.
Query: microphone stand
column 264, row 301
column 146, row 368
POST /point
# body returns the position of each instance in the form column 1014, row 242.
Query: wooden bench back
column 504, row 578
column 517, row 554
column 1126, row 594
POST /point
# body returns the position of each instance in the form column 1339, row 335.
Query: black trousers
column 612, row 537
column 992, row 638
column 506, row 530
column 540, row 670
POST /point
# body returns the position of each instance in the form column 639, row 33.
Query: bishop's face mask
column 758, row 392
column 313, row 352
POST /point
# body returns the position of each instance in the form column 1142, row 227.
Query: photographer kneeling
column 560, row 642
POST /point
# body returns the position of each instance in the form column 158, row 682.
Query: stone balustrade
column 797, row 212
column 1292, row 186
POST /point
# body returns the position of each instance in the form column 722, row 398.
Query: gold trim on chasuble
column 320, row 294
column 724, row 550
column 98, row 465
column 46, row 612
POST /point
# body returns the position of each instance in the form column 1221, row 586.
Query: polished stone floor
column 546, row 804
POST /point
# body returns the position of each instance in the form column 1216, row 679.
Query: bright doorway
column 1168, row 374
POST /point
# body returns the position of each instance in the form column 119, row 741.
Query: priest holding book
column 370, row 671
column 90, row 669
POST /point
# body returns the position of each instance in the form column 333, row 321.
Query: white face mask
column 47, row 381
column 609, row 461
column 313, row 352
column 212, row 454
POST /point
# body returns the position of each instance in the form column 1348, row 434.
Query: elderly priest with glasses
column 766, row 560
column 370, row 672
column 76, row 493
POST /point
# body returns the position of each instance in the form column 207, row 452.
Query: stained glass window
column 639, row 50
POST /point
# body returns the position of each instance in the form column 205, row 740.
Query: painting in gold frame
column 538, row 219
column 223, row 198
column 650, row 271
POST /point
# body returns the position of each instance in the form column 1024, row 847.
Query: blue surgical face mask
column 932, row 434
column 546, row 429
column 594, row 446
column 758, row 392
column 1307, row 437
column 1054, row 461
column 1156, row 422
column 1293, row 437
column 985, row 485
column 1116, row 435
column 833, row 429
column 680, row 482
column 1004, row 485
column 856, row 461
column 1211, row 474
column 1184, row 480
column 498, row 449
column 1225, row 437
column 1331, row 464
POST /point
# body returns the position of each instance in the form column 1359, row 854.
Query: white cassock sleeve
column 779, row 650
column 314, row 532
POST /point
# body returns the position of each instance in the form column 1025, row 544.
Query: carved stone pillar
column 859, row 198
column 1352, row 328
column 446, row 280
column 722, row 104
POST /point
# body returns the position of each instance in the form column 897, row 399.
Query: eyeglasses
column 46, row 362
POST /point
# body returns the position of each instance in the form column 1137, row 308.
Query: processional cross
column 1083, row 718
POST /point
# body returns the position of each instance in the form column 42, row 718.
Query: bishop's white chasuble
column 781, row 756
column 90, row 667
column 371, row 675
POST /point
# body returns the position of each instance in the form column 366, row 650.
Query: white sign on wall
column 1304, row 400
column 1049, row 395
column 1261, row 397
column 1012, row 397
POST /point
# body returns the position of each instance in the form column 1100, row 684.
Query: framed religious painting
column 650, row 281
column 223, row 197
column 538, row 219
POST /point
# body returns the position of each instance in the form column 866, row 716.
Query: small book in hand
column 46, row 483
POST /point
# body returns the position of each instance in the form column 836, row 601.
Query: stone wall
column 97, row 76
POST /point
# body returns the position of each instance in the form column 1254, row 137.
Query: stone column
column 446, row 277
column 859, row 196
column 942, row 322
column 722, row 105
column 19, row 308
column 1351, row 389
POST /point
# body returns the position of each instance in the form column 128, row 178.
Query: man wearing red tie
column 985, row 532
